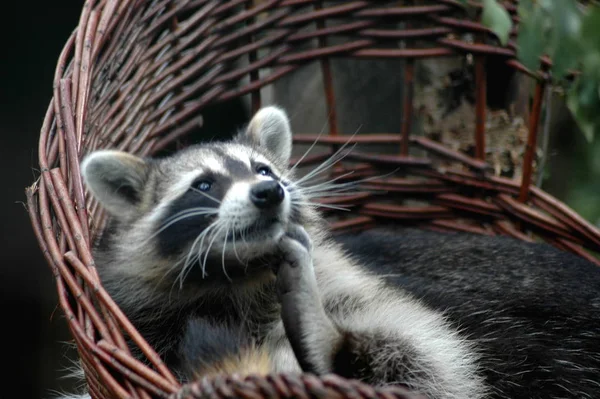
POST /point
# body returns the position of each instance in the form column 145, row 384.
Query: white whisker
column 178, row 217
column 233, row 239
column 327, row 188
column 192, row 257
column 316, row 204
column 325, row 166
column 223, row 253
column 243, row 233
column 210, row 244
column 330, row 182
column 214, row 231
column 206, row 195
column 306, row 152
column 337, row 195
column 332, row 160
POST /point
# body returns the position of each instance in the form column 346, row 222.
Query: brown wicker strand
column 480, row 107
column 287, row 386
column 122, row 320
column 535, row 116
column 72, row 153
column 136, row 75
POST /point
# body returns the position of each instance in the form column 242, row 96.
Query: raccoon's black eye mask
column 203, row 183
column 264, row 170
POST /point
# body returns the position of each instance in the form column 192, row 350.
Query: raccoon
column 222, row 236
column 531, row 310
column 219, row 257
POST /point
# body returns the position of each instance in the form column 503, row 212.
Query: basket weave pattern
column 135, row 75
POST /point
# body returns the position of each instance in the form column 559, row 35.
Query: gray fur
column 408, row 343
column 532, row 311
column 330, row 295
column 368, row 307
column 114, row 178
column 270, row 130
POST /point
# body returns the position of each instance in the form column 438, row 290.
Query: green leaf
column 531, row 41
column 565, row 45
column 583, row 101
column 497, row 19
column 590, row 31
column 584, row 98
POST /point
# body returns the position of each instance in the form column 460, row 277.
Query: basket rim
column 60, row 214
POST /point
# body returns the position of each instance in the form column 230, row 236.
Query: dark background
column 33, row 328
column 33, row 34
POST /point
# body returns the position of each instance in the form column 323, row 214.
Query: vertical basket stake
column 480, row 107
column 530, row 148
column 407, row 104
column 254, row 75
column 407, row 98
column 327, row 80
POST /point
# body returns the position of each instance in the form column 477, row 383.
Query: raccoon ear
column 270, row 129
column 116, row 179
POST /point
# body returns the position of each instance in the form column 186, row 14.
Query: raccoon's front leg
column 319, row 345
column 385, row 339
column 310, row 332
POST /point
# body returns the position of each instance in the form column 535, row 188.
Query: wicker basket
column 136, row 75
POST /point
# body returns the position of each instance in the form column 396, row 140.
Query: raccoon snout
column 267, row 194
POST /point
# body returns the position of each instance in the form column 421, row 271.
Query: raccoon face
column 216, row 207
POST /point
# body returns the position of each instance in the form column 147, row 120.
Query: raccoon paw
column 297, row 232
column 295, row 249
column 308, row 328
column 296, row 269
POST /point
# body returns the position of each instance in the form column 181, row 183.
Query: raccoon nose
column 266, row 194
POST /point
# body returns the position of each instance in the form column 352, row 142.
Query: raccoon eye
column 264, row 170
column 203, row 185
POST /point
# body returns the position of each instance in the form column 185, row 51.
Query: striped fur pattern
column 219, row 258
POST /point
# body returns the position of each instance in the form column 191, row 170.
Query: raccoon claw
column 296, row 269
column 294, row 253
column 302, row 311
column 296, row 232
column 295, row 273
column 294, row 247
